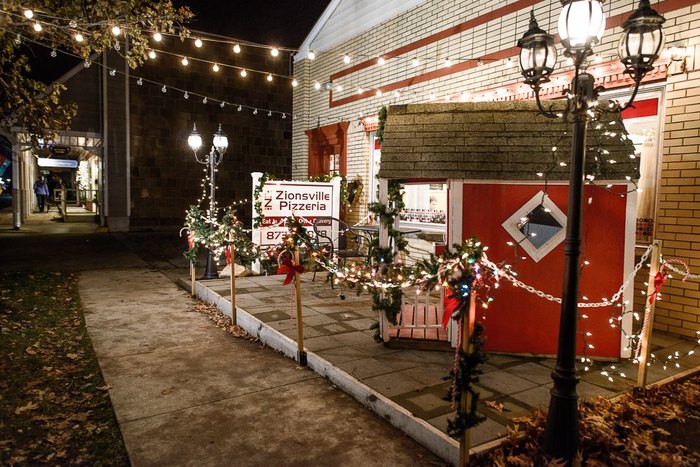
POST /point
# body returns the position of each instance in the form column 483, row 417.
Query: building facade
column 132, row 127
column 372, row 54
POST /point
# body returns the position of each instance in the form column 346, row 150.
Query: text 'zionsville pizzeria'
column 298, row 201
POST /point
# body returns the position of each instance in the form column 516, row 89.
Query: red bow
column 659, row 280
column 289, row 268
column 450, row 305
column 227, row 252
column 190, row 240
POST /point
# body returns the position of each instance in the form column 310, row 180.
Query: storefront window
column 426, row 205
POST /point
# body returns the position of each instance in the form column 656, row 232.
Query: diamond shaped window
column 538, row 226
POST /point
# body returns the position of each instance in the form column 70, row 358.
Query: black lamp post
column 213, row 159
column 581, row 25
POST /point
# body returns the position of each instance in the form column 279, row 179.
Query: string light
column 236, row 49
column 116, row 30
column 311, row 55
column 29, row 14
column 205, row 100
column 244, row 73
column 152, row 54
column 157, row 37
column 381, row 61
column 164, row 89
column 78, row 37
column 415, row 62
column 37, row 27
column 295, row 83
column 184, row 61
column 448, row 62
column 269, row 77
column 317, row 85
column 198, row 42
column 346, row 59
column 186, row 95
column 215, row 68
column 274, row 51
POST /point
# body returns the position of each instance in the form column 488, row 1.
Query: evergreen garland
column 379, row 134
column 467, row 374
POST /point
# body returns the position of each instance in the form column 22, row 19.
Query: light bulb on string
column 157, row 36
column 112, row 72
column 311, row 55
column 346, row 59
column 54, row 54
column 215, row 67
column 78, row 37
column 116, row 30
column 448, row 62
column 274, row 51
column 317, row 85
column 205, row 100
column 198, row 42
column 152, row 54
column 37, row 27
column 236, row 49
column 29, row 14
column 269, row 114
column 379, row 93
column 164, row 89
column 269, row 77
column 244, row 73
column 139, row 81
column 255, row 111
column 415, row 62
column 295, row 83
column 360, row 90
column 223, row 104
column 186, row 95
column 185, row 61
column 240, row 107
column 381, row 61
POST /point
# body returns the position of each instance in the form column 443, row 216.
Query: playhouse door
column 525, row 229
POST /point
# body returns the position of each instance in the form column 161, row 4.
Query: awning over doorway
column 497, row 141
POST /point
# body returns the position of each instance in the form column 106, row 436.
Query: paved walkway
column 186, row 393
column 417, row 380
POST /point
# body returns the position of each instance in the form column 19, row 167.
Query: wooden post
column 192, row 278
column 466, row 398
column 648, row 316
column 234, row 310
column 301, row 355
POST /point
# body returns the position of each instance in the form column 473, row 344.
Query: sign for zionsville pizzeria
column 280, row 199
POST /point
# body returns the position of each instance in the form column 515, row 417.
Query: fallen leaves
column 220, row 320
column 31, row 405
column 622, row 432
column 55, row 406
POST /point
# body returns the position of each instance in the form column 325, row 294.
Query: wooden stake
column 301, row 355
column 646, row 335
column 234, row 310
column 192, row 278
column 466, row 398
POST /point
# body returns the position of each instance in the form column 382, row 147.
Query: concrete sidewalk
column 185, row 393
column 396, row 382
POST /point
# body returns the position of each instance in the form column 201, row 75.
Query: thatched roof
column 495, row 141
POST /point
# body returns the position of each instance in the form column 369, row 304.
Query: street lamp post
column 212, row 160
column 581, row 25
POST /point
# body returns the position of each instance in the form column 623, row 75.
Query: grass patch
column 54, row 405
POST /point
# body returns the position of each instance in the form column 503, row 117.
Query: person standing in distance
column 41, row 190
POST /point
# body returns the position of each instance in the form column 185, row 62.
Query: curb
column 419, row 430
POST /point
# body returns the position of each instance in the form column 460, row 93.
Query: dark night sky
column 282, row 23
column 275, row 22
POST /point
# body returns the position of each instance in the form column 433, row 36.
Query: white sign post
column 280, row 199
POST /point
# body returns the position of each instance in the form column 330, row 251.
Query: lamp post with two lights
column 212, row 160
column 581, row 25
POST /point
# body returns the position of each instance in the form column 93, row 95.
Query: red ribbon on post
column 288, row 267
column 190, row 240
column 659, row 280
column 449, row 306
column 227, row 252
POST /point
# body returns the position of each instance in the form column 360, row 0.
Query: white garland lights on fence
column 358, row 275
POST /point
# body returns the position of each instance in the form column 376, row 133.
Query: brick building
column 134, row 124
column 373, row 54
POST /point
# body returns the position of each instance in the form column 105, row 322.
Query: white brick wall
column 682, row 113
